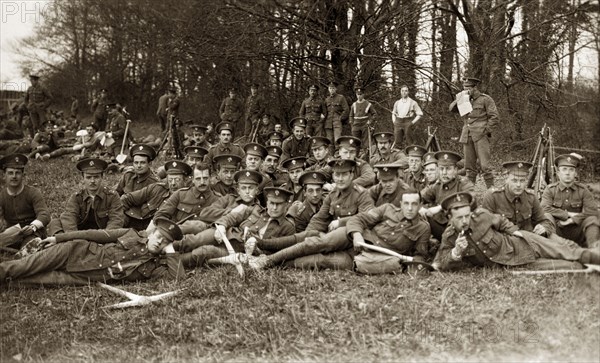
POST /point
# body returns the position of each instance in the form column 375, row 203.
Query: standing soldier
column 337, row 113
column 231, row 110
column 225, row 144
column 362, row 113
column 99, row 109
column 406, row 112
column 414, row 174
column 314, row 110
column 298, row 143
column 385, row 154
column 116, row 128
column 161, row 112
column 255, row 108
column 140, row 175
column 37, row 99
column 173, row 104
column 477, row 130
column 74, row 107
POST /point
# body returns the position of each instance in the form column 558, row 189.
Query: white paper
column 463, row 103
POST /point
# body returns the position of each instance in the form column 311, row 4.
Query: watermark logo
column 23, row 11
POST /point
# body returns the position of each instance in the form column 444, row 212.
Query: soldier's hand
column 219, row 233
column 27, row 230
column 2, row 224
column 48, row 242
column 424, row 212
column 296, row 208
column 239, row 209
column 518, row 234
column 569, row 221
column 357, row 239
column 539, row 229
column 334, row 225
column 461, row 244
column 329, row 187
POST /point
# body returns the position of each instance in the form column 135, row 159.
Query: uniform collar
column 510, row 195
column 198, row 193
column 450, row 184
column 143, row 177
column 563, row 186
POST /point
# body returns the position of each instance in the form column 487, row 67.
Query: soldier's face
column 312, row 92
column 253, row 162
column 276, row 210
column 469, row 89
column 384, row 147
column 277, row 128
column 342, row 179
column 295, row 174
column 566, row 174
column 431, row 172
column 332, row 90
column 414, row 163
column 516, row 184
column 389, row 185
column 13, row 177
column 320, row 153
column 313, row 193
column 198, row 137
column 225, row 136
column 360, row 96
column 141, row 165
column 90, row 130
column 299, row 132
column 247, row 191
column 275, row 142
column 192, row 160
column 92, row 182
column 253, row 91
column 447, row 173
column 270, row 164
column 348, row 153
column 460, row 218
column 156, row 242
column 201, row 179
column 404, row 92
column 411, row 203
column 226, row 175
column 175, row 181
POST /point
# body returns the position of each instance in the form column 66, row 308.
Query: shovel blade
column 121, row 158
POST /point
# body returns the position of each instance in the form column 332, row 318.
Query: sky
column 17, row 21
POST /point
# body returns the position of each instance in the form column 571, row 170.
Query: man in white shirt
column 406, row 112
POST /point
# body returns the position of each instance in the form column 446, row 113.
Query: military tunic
column 363, row 174
column 142, row 204
column 337, row 113
column 83, row 211
column 320, row 166
column 434, row 194
column 312, row 109
column 221, row 149
column 376, row 193
column 293, row 148
column 131, row 182
column 396, row 157
column 223, row 190
column 340, row 205
column 416, row 180
column 221, row 207
column 184, row 203
column 302, row 218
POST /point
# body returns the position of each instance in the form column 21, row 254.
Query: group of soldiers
column 311, row 200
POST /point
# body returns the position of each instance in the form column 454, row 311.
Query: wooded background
column 523, row 50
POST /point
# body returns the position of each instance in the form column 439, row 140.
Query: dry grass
column 287, row 315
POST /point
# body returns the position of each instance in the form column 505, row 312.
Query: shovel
column 82, row 134
column 122, row 157
column 407, row 260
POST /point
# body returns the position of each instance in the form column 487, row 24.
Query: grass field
column 288, row 315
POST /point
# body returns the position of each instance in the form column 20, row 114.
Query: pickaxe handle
column 230, row 250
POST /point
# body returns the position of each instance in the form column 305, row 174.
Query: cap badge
column 247, row 173
column 277, row 192
column 520, row 165
column 174, row 164
column 569, row 159
column 293, row 162
column 255, row 147
column 415, row 148
column 458, row 198
column 385, row 169
column 351, row 141
column 230, row 159
column 16, row 159
column 314, row 175
column 91, row 162
column 446, row 156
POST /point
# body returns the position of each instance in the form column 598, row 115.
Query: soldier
column 269, row 166
column 571, row 206
column 161, row 112
column 45, row 141
column 20, row 203
column 93, row 207
column 430, row 168
column 477, row 130
column 341, row 204
column 140, row 175
column 517, row 204
column 193, row 155
column 141, row 205
column 303, row 211
column 74, row 107
column 397, row 228
column 265, row 130
column 279, row 128
column 116, row 128
column 362, row 113
column 270, row 222
column 99, row 110
column 385, row 154
column 337, row 113
column 320, row 148
column 480, row 238
column 298, row 143
column 314, row 110
column 275, row 138
column 226, row 166
column 390, row 187
column 173, row 105
column 255, row 108
column 189, row 201
column 348, row 147
column 37, row 99
column 231, row 111
column 105, row 255
column 414, row 176
column 255, row 154
column 198, row 138
column 295, row 168
column 405, row 113
column 448, row 183
column 225, row 144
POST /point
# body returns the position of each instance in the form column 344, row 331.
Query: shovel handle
column 125, row 136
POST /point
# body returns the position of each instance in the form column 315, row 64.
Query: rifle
column 432, row 144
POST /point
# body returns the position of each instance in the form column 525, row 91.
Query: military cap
column 359, row 90
column 168, row 229
column 298, row 121
column 348, row 141
column 429, row 158
column 253, row 148
column 16, row 161
column 313, row 87
column 275, row 135
column 178, row 167
column 198, row 128
column 318, row 141
column 383, row 136
column 387, row 171
column 143, row 150
column 312, row 177
column 274, row 151
column 195, row 151
column 92, row 166
column 332, row 84
column 226, row 160
column 566, row 160
column 34, row 75
column 248, row 176
column 520, row 168
column 111, row 103
column 294, row 163
column 470, row 81
column 342, row 165
column 447, row 158
column 277, row 195
column 224, row 126
column 415, row 150
column 457, row 200
column 103, row 90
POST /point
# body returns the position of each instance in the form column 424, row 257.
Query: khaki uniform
column 255, row 108
column 376, row 193
column 364, row 174
column 337, row 113
column 220, row 149
column 185, row 202
column 397, row 157
column 340, row 205
column 141, row 205
column 37, row 99
column 131, row 182
column 416, row 180
column 24, row 208
column 293, row 148
column 312, row 109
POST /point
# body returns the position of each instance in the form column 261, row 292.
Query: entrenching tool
column 135, row 300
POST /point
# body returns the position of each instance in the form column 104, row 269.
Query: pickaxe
column 589, row 268
column 407, row 260
column 135, row 300
column 238, row 259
